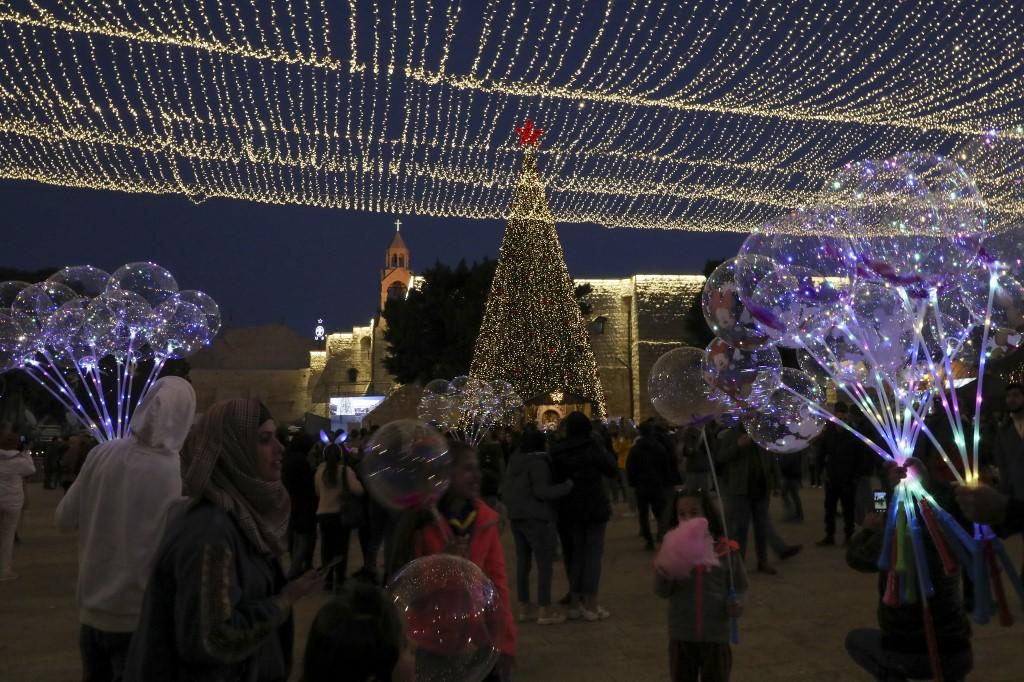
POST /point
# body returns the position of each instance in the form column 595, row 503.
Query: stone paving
column 793, row 628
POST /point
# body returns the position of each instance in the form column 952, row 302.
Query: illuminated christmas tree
column 533, row 335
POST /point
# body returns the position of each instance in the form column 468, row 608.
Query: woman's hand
column 982, row 503
column 295, row 590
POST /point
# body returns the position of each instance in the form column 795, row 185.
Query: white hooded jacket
column 15, row 465
column 119, row 505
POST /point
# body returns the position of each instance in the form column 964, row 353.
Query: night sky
column 290, row 264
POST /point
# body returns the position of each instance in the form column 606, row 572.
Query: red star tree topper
column 528, row 134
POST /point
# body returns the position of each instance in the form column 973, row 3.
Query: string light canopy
column 714, row 115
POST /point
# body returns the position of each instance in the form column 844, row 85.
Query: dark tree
column 697, row 330
column 431, row 332
column 582, row 293
column 30, row 276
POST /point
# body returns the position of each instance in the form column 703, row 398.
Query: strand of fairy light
column 283, row 175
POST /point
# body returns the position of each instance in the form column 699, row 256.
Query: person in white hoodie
column 15, row 465
column 119, row 505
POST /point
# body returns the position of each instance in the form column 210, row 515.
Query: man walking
column 118, row 504
column 749, row 480
column 842, row 455
column 648, row 470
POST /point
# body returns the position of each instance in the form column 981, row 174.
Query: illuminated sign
column 354, row 407
column 319, row 331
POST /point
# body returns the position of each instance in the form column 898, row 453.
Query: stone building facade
column 632, row 322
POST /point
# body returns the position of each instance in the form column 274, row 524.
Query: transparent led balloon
column 453, row 615
column 34, row 304
column 207, row 305
column 154, row 283
column 9, row 291
column 63, row 329
column 789, row 420
column 433, row 406
column 677, row 389
column 725, row 312
column 895, row 224
column 116, row 323
column 12, row 343
column 406, row 464
column 813, row 280
column 746, row 376
column 948, row 321
column 881, row 326
column 993, row 161
column 180, row 330
column 84, row 280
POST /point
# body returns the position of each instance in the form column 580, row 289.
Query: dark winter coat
column 650, row 467
column 844, row 457
column 297, row 477
column 903, row 626
column 587, row 463
column 791, row 464
column 528, row 492
column 209, row 612
column 743, row 465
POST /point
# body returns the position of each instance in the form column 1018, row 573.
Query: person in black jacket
column 649, row 469
column 297, row 477
column 898, row 649
column 844, row 453
column 584, row 512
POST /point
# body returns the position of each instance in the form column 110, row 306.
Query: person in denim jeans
column 528, row 495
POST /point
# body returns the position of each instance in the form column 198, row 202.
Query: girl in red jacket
column 472, row 532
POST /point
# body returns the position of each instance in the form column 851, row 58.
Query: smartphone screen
column 881, row 504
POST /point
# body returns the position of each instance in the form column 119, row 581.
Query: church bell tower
column 396, row 275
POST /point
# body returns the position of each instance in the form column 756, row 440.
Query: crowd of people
column 197, row 539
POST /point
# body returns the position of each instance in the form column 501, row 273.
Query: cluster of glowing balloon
column 454, row 617
column 82, row 334
column 897, row 294
column 406, row 465
column 467, row 407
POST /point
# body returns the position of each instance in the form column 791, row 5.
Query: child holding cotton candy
column 692, row 571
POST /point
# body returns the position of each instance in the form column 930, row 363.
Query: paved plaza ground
column 793, row 628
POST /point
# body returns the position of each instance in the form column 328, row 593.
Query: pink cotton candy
column 685, row 547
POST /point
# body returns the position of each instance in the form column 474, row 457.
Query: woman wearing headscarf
column 217, row 606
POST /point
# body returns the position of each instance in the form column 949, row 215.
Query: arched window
column 401, row 261
column 394, row 260
column 396, row 291
column 597, row 324
column 353, row 375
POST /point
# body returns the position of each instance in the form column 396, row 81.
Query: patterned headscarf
column 219, row 461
